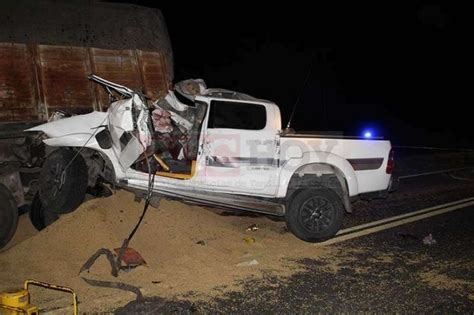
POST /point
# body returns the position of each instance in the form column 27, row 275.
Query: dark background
column 401, row 70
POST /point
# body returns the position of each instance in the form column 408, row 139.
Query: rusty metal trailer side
column 36, row 80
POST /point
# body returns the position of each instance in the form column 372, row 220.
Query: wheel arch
column 319, row 175
column 99, row 165
column 98, row 162
column 317, row 162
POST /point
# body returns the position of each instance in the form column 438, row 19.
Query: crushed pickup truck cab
column 212, row 147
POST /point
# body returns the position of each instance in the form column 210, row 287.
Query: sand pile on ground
column 169, row 242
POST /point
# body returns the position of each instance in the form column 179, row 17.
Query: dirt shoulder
column 189, row 250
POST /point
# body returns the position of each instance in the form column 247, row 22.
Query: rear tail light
column 390, row 162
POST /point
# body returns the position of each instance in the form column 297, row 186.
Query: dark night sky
column 402, row 70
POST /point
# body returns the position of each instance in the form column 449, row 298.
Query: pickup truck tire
column 63, row 194
column 315, row 215
column 8, row 216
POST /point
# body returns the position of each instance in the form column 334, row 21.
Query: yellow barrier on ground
column 16, row 302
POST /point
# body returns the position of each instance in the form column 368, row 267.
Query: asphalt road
column 388, row 271
column 388, row 276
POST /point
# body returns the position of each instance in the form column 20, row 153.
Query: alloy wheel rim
column 316, row 214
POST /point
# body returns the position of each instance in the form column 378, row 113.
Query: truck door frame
column 226, row 170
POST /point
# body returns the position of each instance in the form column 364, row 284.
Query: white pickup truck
column 241, row 158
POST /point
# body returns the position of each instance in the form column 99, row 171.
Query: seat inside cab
column 176, row 123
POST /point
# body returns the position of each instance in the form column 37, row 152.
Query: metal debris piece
column 252, row 262
column 113, row 264
column 202, row 242
column 429, row 240
column 252, row 228
column 249, row 239
column 131, row 258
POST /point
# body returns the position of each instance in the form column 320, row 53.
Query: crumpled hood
column 72, row 125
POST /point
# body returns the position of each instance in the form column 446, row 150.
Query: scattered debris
column 429, row 240
column 155, row 282
column 115, row 269
column 202, row 242
column 252, row 228
column 252, row 262
column 249, row 239
column 131, row 258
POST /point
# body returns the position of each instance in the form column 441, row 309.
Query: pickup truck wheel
column 63, row 181
column 315, row 215
column 8, row 216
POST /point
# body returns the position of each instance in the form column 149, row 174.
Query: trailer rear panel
column 36, row 80
column 47, row 49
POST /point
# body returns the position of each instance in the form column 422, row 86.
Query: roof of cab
column 228, row 94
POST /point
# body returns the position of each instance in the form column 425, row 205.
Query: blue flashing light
column 368, row 134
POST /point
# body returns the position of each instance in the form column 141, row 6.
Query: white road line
column 422, row 214
column 401, row 216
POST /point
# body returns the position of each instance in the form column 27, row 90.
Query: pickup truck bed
column 370, row 172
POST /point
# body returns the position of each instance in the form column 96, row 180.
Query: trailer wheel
column 8, row 215
column 63, row 181
column 39, row 216
column 315, row 215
